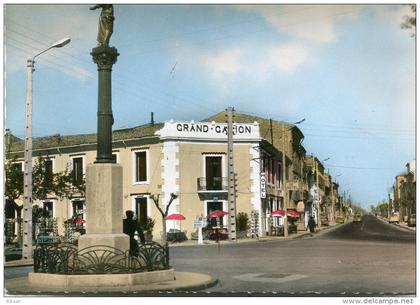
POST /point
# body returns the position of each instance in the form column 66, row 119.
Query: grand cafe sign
column 209, row 131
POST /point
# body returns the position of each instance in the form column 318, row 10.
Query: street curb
column 20, row 286
column 404, row 227
column 19, row 263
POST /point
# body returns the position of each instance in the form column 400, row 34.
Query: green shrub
column 150, row 224
column 242, row 221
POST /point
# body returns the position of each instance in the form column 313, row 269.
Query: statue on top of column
column 106, row 23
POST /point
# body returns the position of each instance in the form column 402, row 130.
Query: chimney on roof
column 152, row 121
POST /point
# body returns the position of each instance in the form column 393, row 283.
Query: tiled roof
column 137, row 132
column 265, row 127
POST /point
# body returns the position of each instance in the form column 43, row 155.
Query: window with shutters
column 77, row 170
column 49, row 170
column 140, row 166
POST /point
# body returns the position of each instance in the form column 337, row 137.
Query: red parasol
column 278, row 213
column 293, row 213
column 76, row 221
column 217, row 213
column 79, row 221
column 175, row 217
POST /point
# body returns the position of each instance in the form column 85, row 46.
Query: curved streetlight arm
column 296, row 123
column 301, row 121
column 58, row 44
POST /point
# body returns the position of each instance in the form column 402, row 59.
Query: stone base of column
column 118, row 241
column 104, row 207
column 104, row 198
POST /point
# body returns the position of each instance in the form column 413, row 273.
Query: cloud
column 393, row 13
column 288, row 57
column 309, row 22
column 243, row 64
column 224, row 63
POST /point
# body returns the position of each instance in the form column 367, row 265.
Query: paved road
column 370, row 257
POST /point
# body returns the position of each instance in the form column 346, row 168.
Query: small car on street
column 394, row 218
column 357, row 218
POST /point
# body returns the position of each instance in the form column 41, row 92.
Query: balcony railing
column 212, row 184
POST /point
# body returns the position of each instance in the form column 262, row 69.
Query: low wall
column 99, row 280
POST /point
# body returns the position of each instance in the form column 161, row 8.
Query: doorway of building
column 141, row 210
column 78, row 208
column 48, row 208
column 214, row 206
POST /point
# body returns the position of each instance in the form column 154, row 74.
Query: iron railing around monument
column 68, row 259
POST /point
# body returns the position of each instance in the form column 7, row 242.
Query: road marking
column 363, row 224
column 258, row 277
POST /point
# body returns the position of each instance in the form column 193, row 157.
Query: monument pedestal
column 104, row 205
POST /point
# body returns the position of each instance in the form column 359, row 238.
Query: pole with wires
column 231, row 180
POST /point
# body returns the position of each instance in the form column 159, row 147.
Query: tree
column 383, row 208
column 408, row 194
column 44, row 182
column 13, row 185
column 410, row 21
column 155, row 199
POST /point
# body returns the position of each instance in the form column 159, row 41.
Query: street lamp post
column 27, row 184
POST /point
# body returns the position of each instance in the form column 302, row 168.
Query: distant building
column 409, row 176
column 411, row 168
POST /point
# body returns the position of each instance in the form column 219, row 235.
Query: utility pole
column 285, row 193
column 231, row 179
column 344, row 201
column 27, row 183
column 318, row 197
column 389, row 205
column 271, row 131
column 27, row 180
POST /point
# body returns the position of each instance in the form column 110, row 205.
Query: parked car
column 357, row 218
column 394, row 218
column 412, row 220
column 339, row 219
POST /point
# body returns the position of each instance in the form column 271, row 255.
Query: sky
column 349, row 70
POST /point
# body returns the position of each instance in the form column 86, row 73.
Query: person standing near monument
column 130, row 228
column 106, row 23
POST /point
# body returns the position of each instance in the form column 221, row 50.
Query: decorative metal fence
column 44, row 231
column 67, row 259
column 12, row 230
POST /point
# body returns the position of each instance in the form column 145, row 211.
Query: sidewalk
column 248, row 240
column 401, row 224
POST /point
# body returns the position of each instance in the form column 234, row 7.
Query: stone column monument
column 104, row 189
